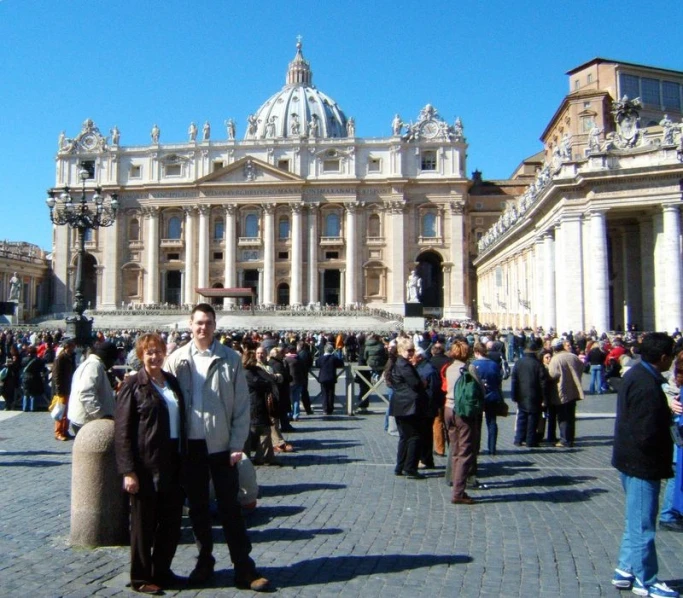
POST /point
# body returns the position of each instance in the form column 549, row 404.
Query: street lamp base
column 79, row 328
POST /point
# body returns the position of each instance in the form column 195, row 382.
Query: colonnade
column 587, row 270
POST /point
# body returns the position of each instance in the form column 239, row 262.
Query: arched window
column 174, row 228
column 251, row 225
column 218, row 229
column 134, row 230
column 283, row 228
column 429, row 224
column 332, row 225
column 373, row 226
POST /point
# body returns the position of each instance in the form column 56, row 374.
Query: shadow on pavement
column 551, row 481
column 287, row 489
column 30, row 463
column 559, row 496
column 323, row 570
column 318, row 445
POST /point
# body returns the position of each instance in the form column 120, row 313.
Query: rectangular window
column 576, row 84
column 331, row 165
column 173, row 256
column 283, row 165
column 590, row 78
column 650, row 89
column 428, row 160
column 671, row 96
column 374, row 165
column 283, row 255
column 331, row 255
column 629, row 85
column 172, row 170
column 89, row 165
column 217, row 255
column 135, row 171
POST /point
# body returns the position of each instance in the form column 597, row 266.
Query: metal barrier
column 376, row 387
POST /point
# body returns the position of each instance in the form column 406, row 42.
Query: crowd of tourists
column 211, row 399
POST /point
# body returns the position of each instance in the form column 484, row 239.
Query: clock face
column 429, row 130
column 89, row 141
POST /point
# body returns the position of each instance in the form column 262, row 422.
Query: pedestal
column 413, row 317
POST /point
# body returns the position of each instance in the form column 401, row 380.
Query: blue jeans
column 596, row 379
column 295, row 395
column 28, row 400
column 668, row 514
column 491, row 427
column 638, row 553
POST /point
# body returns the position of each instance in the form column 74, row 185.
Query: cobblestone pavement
column 335, row 521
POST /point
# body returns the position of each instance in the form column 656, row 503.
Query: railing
column 249, row 241
column 331, row 241
column 374, row 385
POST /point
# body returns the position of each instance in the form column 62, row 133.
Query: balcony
column 331, row 241
column 249, row 242
column 172, row 243
column 374, row 241
column 429, row 240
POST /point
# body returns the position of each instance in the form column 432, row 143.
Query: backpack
column 468, row 395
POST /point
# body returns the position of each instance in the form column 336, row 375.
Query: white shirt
column 199, row 362
column 173, row 408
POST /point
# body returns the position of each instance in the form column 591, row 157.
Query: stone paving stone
column 335, row 521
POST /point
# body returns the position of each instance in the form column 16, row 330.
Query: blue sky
column 499, row 65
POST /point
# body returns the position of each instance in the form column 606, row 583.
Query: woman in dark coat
column 33, row 373
column 408, row 405
column 260, row 384
column 284, row 403
column 149, row 438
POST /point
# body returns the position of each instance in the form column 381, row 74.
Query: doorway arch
column 430, row 269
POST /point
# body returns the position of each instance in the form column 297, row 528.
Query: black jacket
column 529, row 381
column 260, row 384
column 142, row 432
column 410, row 397
column 642, row 441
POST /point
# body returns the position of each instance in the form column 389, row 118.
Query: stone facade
column 31, row 266
column 594, row 241
column 301, row 209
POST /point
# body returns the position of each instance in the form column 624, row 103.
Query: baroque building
column 301, row 210
column 30, row 265
column 594, row 241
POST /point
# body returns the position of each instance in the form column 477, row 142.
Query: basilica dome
column 298, row 109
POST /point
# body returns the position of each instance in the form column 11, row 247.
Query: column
column 647, row 273
column 229, row 273
column 268, row 254
column 321, row 285
column 396, row 294
column 350, row 296
column 110, row 261
column 538, row 303
column 549, row 308
column 190, row 269
column 296, row 281
column 203, row 238
column 572, row 272
column 671, row 299
column 152, row 251
column 259, row 287
column 599, row 273
column 457, row 308
column 313, row 241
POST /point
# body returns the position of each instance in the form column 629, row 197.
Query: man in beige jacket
column 566, row 370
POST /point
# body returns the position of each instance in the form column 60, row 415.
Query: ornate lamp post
column 82, row 216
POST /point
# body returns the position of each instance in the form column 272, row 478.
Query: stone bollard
column 99, row 506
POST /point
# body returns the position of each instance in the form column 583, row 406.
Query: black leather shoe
column 202, row 573
column 414, row 475
column 671, row 526
column 170, row 581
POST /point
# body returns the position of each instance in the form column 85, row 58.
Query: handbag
column 501, row 409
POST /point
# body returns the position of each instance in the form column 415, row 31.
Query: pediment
column 249, row 170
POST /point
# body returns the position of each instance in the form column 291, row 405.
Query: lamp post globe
column 82, row 216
